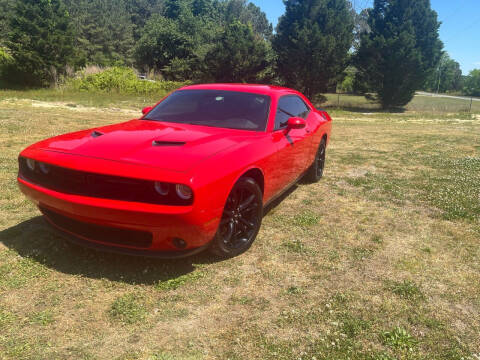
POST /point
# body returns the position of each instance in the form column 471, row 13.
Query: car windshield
column 216, row 108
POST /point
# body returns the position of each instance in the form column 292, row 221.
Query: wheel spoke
column 238, row 231
column 246, row 203
column 230, row 232
column 250, row 208
column 225, row 221
column 247, row 223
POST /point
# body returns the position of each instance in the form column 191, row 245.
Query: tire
column 315, row 172
column 241, row 220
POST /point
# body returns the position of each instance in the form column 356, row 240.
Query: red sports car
column 194, row 172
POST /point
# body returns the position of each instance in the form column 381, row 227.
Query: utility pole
column 471, row 101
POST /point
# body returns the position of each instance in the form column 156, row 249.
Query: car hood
column 175, row 147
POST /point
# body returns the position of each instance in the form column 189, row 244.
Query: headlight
column 183, row 192
column 31, row 164
column 44, row 168
column 161, row 188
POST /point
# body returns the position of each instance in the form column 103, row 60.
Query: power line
column 454, row 13
column 464, row 29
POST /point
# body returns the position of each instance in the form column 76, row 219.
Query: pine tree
column 140, row 12
column 104, row 32
column 312, row 43
column 40, row 41
column 177, row 41
column 239, row 56
column 6, row 7
column 400, row 51
column 247, row 13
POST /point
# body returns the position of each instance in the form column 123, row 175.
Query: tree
column 177, row 41
column 472, row 83
column 162, row 42
column 6, row 7
column 447, row 76
column 401, row 50
column 239, row 56
column 247, row 13
column 360, row 26
column 40, row 42
column 104, row 32
column 140, row 12
column 312, row 43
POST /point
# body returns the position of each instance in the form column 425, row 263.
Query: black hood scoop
column 96, row 134
column 167, row 143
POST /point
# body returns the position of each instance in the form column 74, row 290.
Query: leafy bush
column 121, row 80
column 5, row 60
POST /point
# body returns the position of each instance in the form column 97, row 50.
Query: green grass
column 305, row 219
column 75, row 99
column 399, row 339
column 173, row 284
column 406, row 289
column 128, row 309
column 380, row 260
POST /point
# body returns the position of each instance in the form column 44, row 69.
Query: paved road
column 422, row 93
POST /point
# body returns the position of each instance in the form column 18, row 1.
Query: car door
column 293, row 145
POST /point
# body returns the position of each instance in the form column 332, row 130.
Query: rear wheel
column 315, row 172
column 241, row 220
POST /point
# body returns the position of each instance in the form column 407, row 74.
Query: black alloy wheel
column 315, row 172
column 241, row 219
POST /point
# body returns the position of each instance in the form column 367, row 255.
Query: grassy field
column 422, row 103
column 346, row 102
column 378, row 261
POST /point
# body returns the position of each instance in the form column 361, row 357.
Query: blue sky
column 460, row 30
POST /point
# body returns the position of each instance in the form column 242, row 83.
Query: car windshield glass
column 217, row 108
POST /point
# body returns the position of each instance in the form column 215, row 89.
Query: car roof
column 256, row 88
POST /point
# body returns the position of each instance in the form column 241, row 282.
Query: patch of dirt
column 66, row 106
column 361, row 171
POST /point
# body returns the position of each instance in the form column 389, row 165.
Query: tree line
column 390, row 50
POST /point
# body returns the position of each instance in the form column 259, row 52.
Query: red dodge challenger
column 194, row 172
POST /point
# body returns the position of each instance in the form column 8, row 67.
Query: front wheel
column 241, row 220
column 315, row 172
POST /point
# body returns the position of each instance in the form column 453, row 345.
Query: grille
column 106, row 234
column 82, row 183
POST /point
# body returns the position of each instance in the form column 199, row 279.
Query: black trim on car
column 76, row 182
column 102, row 233
column 75, row 239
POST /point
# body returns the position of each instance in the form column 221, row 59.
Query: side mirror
column 146, row 110
column 296, row 123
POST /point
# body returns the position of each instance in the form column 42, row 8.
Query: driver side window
column 289, row 106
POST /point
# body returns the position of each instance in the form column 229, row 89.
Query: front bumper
column 103, row 220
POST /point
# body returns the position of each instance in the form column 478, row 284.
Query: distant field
column 343, row 101
column 418, row 104
column 88, row 99
column 378, row 261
